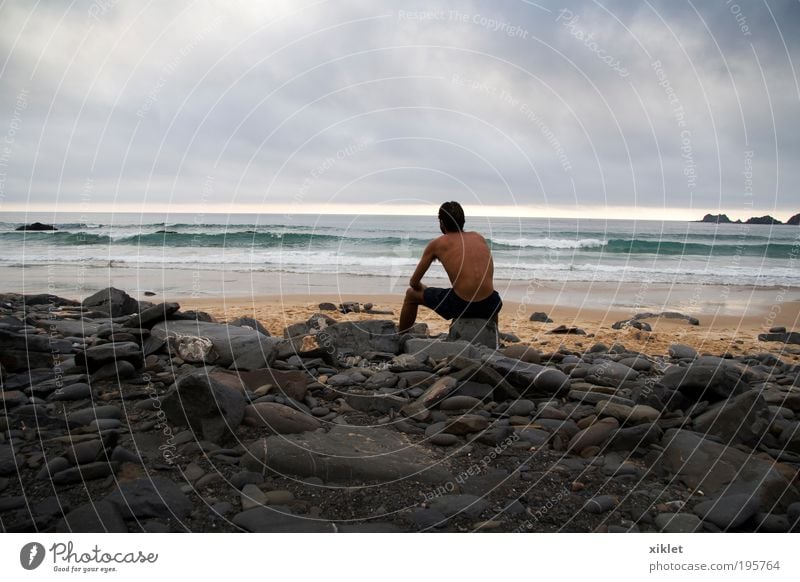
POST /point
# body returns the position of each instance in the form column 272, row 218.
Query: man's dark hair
column 452, row 216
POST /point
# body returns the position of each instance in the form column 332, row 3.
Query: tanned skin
column 468, row 262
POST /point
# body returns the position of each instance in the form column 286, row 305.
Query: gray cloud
column 562, row 104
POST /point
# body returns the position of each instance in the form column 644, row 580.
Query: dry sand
column 718, row 333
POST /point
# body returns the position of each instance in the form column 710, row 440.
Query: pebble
column 278, row 497
column 462, row 505
column 459, row 403
column 728, row 512
column 87, row 415
column 678, row 523
column 444, row 440
column 600, row 504
column 252, row 497
column 520, row 408
column 193, row 472
column 78, row 391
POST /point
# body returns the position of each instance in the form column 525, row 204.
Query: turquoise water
column 523, row 249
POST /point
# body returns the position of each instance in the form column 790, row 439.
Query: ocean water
column 390, row 246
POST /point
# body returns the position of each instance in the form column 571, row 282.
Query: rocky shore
column 121, row 415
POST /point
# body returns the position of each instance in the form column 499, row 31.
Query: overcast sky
column 554, row 108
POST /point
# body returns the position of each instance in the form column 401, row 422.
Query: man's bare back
column 467, row 260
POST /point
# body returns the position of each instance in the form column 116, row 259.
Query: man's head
column 451, row 217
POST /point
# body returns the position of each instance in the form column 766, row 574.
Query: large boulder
column 476, row 331
column 345, row 455
column 700, row 381
column 531, row 378
column 719, row 470
column 357, row 337
column 423, row 348
column 215, row 343
column 112, row 301
column 743, row 419
column 212, row 409
column 279, row 419
column 147, row 318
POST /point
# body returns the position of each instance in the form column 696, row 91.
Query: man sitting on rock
column 467, row 260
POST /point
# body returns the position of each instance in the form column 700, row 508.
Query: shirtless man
column 467, row 260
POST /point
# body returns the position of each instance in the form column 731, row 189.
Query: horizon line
column 653, row 213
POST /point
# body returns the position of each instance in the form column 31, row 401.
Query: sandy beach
column 721, row 328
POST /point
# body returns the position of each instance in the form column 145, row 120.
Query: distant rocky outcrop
column 717, row 218
column 767, row 219
column 36, row 226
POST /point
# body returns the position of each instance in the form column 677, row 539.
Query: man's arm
column 428, row 257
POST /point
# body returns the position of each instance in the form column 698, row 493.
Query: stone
column 464, row 505
column 11, row 398
column 594, row 435
column 438, row 391
column 345, row 454
column 601, row 504
column 425, row 519
column 112, row 301
column 84, row 452
column 70, row 327
column 443, row 439
column 79, row 391
column 630, row 415
column 454, row 403
column 719, row 470
column 633, row 437
column 279, row 419
column 524, row 353
column 278, row 519
column 290, row 383
column 9, row 460
column 791, row 337
column 728, row 511
column 563, row 329
column 278, row 497
column 209, row 407
column 251, row 323
column 150, row 497
column 551, row 381
column 374, row 401
column 610, row 373
column 743, row 419
column 520, row 408
column 540, row 316
column 97, row 356
column 87, row 472
column 85, row 416
column 252, row 497
column 475, row 331
column 115, row 370
column 93, row 517
column 682, row 352
column 678, row 523
column 356, row 337
column 53, row 466
column 704, row 382
column 466, row 424
column 327, row 306
column 147, row 318
column 383, row 379
column 214, row 343
column 437, row 349
column 242, row 478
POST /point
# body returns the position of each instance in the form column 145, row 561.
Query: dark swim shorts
column 446, row 303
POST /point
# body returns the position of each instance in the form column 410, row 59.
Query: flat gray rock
column 701, row 381
column 719, row 470
column 743, row 419
column 729, row 511
column 150, row 497
column 278, row 418
column 346, row 454
column 678, row 523
column 208, row 406
column 361, row 336
column 93, row 517
column 278, row 519
column 470, row 506
column 224, row 345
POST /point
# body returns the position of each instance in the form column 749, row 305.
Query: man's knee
column 414, row 295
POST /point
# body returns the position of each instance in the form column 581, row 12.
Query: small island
column 36, row 226
column 767, row 219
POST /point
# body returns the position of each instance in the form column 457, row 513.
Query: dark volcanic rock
column 93, row 517
column 716, row 218
column 279, row 419
column 150, row 497
column 251, row 323
column 214, row 343
column 719, row 470
column 704, row 382
column 209, row 407
column 791, row 337
column 147, row 318
column 743, row 419
column 475, row 331
column 355, row 337
column 540, row 316
column 37, row 226
column 346, row 454
column 278, row 519
column 729, row 511
column 112, row 301
column 794, row 220
column 766, row 219
column 96, row 357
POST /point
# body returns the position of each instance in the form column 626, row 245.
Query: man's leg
column 408, row 315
